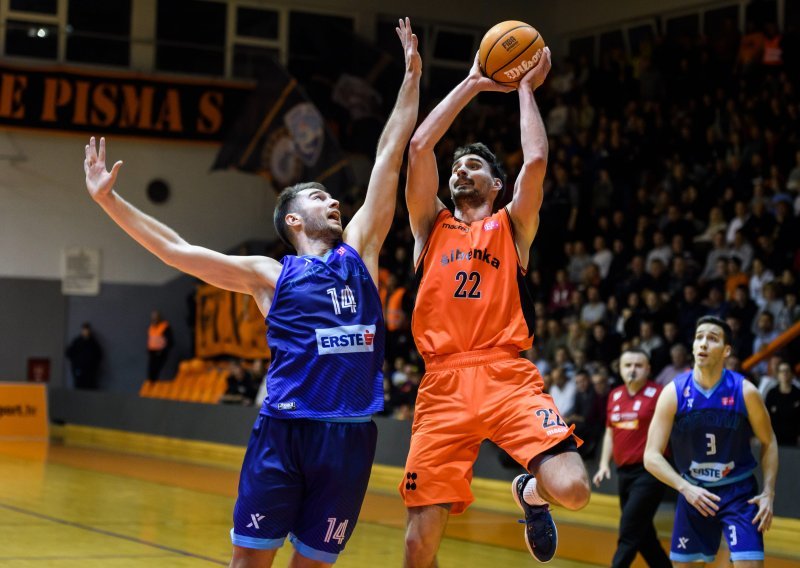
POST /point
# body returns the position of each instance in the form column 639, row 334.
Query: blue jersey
column 326, row 335
column 711, row 434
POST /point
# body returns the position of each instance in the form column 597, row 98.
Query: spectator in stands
column 735, row 277
column 689, row 311
column 715, row 303
column 594, row 310
column 579, row 259
column 718, row 251
column 560, row 294
column 783, row 404
column 769, row 380
column 679, row 363
column 789, row 314
column 242, row 386
column 770, row 302
column 716, row 225
column 602, row 346
column 743, row 308
column 562, row 389
column 661, row 250
column 159, row 343
column 742, row 215
column 760, row 276
column 84, row 354
column 741, row 249
column 588, row 427
column 603, row 256
column 765, row 334
column 649, row 339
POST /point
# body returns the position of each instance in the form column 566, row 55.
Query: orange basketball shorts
column 464, row 399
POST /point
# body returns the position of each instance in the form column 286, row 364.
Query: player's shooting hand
column 602, row 473
column 99, row 181
column 536, row 76
column 410, row 42
column 701, row 499
column 484, row 83
column 764, row 515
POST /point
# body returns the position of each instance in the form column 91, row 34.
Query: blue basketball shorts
column 697, row 538
column 305, row 479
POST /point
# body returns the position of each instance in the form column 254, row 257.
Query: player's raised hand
column 409, row 41
column 536, row 76
column 701, row 499
column 764, row 515
column 484, row 83
column 99, row 181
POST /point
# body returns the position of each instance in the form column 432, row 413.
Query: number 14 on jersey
column 342, row 299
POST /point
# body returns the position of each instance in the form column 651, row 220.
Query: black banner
column 127, row 104
column 281, row 135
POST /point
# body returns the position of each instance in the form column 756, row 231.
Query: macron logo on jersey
column 346, row 339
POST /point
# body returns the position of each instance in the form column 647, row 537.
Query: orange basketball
column 508, row 51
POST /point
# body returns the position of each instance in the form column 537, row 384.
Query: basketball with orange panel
column 509, row 50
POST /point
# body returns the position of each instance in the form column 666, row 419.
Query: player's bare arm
column 370, row 225
column 527, row 200
column 655, row 462
column 760, row 423
column 255, row 275
column 604, row 466
column 422, row 184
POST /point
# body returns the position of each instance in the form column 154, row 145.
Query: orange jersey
column 472, row 293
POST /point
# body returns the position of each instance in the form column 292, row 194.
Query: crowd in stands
column 673, row 192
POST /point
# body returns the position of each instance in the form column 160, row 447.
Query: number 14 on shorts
column 336, row 531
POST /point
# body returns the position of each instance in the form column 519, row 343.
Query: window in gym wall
column 255, row 23
column 791, row 16
column 641, row 37
column 717, row 21
column 37, row 6
column 31, row 29
column 762, row 12
column 98, row 31
column 721, row 27
column 684, row 28
column 307, row 46
column 193, row 44
column 612, row 41
column 257, row 42
column 31, row 39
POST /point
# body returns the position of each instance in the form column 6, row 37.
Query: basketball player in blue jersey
column 310, row 454
column 710, row 415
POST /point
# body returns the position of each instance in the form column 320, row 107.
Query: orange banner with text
column 230, row 324
column 23, row 411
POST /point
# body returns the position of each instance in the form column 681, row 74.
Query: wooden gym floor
column 77, row 503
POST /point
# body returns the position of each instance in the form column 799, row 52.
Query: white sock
column 530, row 495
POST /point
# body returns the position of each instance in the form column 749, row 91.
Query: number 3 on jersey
column 474, row 279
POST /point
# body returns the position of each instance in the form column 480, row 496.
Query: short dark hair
column 720, row 323
column 636, row 351
column 482, row 150
column 284, row 206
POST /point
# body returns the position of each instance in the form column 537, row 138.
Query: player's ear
column 293, row 219
column 727, row 351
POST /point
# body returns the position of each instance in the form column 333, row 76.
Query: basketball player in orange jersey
column 471, row 320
